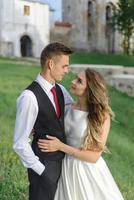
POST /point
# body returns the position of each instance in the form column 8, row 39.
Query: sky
column 56, row 5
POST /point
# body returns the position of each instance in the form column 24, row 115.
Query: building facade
column 24, row 27
column 90, row 25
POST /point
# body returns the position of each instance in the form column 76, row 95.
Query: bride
column 85, row 175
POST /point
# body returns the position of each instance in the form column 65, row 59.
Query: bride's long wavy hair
column 98, row 106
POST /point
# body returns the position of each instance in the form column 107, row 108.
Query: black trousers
column 44, row 187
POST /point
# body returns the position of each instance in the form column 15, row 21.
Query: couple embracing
column 64, row 160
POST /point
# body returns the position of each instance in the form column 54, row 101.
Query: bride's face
column 79, row 85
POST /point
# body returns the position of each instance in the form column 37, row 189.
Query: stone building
column 90, row 25
column 24, row 27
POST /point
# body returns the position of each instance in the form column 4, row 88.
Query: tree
column 123, row 20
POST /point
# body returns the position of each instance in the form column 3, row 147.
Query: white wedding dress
column 82, row 180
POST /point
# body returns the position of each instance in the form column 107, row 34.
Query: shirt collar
column 47, row 86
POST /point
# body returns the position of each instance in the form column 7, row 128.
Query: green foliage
column 123, row 19
column 14, row 77
column 95, row 58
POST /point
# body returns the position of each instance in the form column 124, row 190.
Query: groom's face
column 59, row 67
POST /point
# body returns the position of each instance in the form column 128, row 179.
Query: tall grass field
column 15, row 75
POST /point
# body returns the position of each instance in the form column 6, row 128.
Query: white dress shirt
column 27, row 111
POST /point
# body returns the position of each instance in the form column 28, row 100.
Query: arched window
column 110, row 32
column 90, row 9
column 90, row 19
column 68, row 8
column 109, row 11
column 26, row 46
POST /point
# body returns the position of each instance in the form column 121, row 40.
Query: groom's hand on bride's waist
column 49, row 145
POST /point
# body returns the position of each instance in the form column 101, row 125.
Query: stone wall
column 6, row 48
column 90, row 30
column 15, row 24
column 124, row 83
column 61, row 33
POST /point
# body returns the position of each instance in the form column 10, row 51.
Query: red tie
column 53, row 90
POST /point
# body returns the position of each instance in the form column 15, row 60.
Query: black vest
column 47, row 122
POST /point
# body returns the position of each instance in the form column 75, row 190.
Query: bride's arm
column 54, row 144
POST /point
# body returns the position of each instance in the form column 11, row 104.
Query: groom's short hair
column 53, row 49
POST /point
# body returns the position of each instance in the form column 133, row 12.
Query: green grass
column 13, row 180
column 121, row 143
column 14, row 78
column 95, row 58
column 83, row 58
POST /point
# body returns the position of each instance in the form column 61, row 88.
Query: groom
column 40, row 107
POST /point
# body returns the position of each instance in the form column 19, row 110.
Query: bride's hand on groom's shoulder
column 50, row 145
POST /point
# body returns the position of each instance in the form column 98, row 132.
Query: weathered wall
column 14, row 24
column 89, row 25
